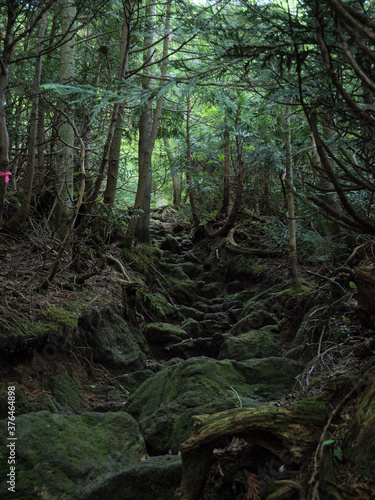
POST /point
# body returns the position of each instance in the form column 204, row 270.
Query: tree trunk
column 226, row 164
column 14, row 223
column 193, row 204
column 40, row 146
column 115, row 135
column 176, row 177
column 5, row 57
column 293, row 263
column 64, row 165
column 139, row 225
column 231, row 219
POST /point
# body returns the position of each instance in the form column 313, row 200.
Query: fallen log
column 288, row 433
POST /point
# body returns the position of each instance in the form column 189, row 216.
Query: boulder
column 171, row 244
column 254, row 344
column 66, row 394
column 153, row 479
column 58, row 455
column 165, row 403
column 191, row 312
column 164, row 333
column 192, row 327
column 111, row 339
column 253, row 321
column 193, row 347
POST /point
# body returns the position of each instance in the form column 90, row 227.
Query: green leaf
column 338, row 453
column 328, row 442
column 352, row 285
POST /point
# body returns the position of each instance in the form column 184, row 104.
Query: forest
column 187, row 223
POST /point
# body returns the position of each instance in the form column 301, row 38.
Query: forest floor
column 90, row 277
column 28, row 312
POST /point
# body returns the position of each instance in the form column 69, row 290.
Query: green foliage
column 337, row 451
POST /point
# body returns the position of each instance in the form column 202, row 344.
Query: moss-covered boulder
column 58, row 455
column 156, row 478
column 66, row 394
column 192, row 327
column 201, row 346
column 254, row 344
column 164, row 333
column 131, row 381
column 171, row 244
column 190, row 312
column 253, row 321
column 182, row 288
column 111, row 339
column 165, row 403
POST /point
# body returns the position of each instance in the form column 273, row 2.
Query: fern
column 338, row 453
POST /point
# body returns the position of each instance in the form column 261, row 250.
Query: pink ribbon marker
column 170, row 37
column 6, row 174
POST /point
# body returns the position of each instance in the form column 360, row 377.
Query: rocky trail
column 107, row 406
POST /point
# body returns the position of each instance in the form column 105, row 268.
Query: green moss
column 36, row 329
column 157, row 304
column 314, row 408
column 62, row 316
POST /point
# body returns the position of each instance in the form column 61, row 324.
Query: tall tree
column 5, row 61
column 14, row 223
column 139, row 225
column 64, row 159
column 293, row 262
column 115, row 133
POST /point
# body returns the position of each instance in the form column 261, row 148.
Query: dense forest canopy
column 268, row 106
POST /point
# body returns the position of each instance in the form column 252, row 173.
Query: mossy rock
column 156, row 478
column 255, row 344
column 253, row 321
column 271, row 370
column 192, row 327
column 242, row 267
column 171, row 244
column 66, row 394
column 165, row 403
column 131, row 381
column 190, row 269
column 164, row 333
column 201, row 346
column 212, row 290
column 111, row 339
column 58, row 455
column 159, row 307
column 182, row 289
column 191, row 312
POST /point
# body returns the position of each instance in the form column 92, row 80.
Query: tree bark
column 64, row 159
column 117, row 122
column 285, row 432
column 226, row 181
column 176, row 178
column 14, row 223
column 139, row 225
column 231, row 219
column 5, row 57
column 293, row 262
column 193, row 204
